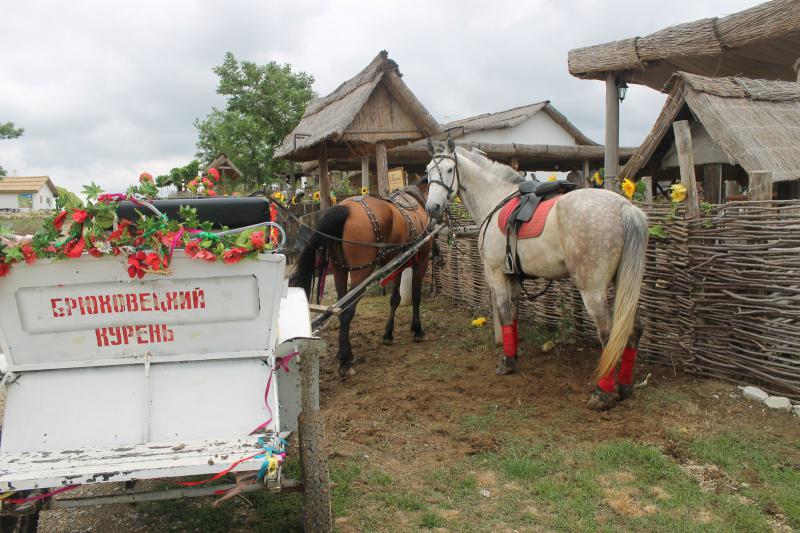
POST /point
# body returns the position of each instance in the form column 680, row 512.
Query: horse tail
column 330, row 225
column 630, row 273
column 406, row 282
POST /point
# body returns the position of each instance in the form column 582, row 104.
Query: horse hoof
column 506, row 365
column 625, row 391
column 387, row 341
column 602, row 400
column 346, row 372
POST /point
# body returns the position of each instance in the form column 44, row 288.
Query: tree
column 67, row 199
column 264, row 103
column 8, row 131
column 179, row 176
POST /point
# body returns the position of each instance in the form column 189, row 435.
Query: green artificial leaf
column 104, row 219
column 92, row 191
column 13, row 253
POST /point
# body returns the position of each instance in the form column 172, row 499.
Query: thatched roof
column 222, row 162
column 340, row 120
column 755, row 122
column 514, row 117
column 26, row 184
column 760, row 42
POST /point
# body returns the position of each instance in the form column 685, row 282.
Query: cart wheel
column 27, row 523
column 316, row 478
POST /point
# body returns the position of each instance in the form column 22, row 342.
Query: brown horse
column 358, row 235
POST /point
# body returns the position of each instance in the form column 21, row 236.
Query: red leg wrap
column 625, row 375
column 607, row 383
column 509, row 341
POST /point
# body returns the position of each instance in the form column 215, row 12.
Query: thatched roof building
column 740, row 124
column 760, row 42
column 372, row 111
column 225, row 166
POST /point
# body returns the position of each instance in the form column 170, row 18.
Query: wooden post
column 365, row 172
column 648, row 189
column 712, row 183
column 515, row 163
column 586, row 170
column 683, row 144
column 731, row 188
column 382, row 169
column 611, row 167
column 760, row 189
column 324, row 178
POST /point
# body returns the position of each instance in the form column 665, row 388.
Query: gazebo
column 738, row 126
column 371, row 112
column 225, row 167
column 760, row 42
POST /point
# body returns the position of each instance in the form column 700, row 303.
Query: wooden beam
column 611, row 167
column 586, row 170
column 365, row 172
column 382, row 169
column 760, row 189
column 683, row 144
column 324, row 178
column 648, row 189
column 712, row 183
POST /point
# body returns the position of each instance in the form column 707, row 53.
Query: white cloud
column 106, row 90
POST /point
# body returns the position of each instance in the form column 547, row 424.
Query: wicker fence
column 721, row 294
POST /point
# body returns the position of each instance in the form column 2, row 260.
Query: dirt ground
column 426, row 437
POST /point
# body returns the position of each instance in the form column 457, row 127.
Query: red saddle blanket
column 533, row 227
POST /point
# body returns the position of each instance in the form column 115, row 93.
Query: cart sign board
column 88, row 312
column 397, row 179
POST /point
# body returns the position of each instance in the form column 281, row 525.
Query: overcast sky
column 106, row 90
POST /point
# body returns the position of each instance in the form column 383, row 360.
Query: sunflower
column 316, row 196
column 597, row 178
column 552, row 177
column 678, row 192
column 364, row 191
column 479, row 322
column 628, row 187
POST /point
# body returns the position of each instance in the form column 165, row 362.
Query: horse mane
column 504, row 172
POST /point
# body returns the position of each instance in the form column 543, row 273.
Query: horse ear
column 451, row 144
column 431, row 148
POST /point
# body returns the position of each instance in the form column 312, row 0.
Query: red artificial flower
column 79, row 215
column 214, row 173
column 27, row 251
column 205, row 255
column 192, row 183
column 59, row 220
column 5, row 268
column 257, row 239
column 94, row 252
column 211, row 192
column 153, row 261
column 74, row 248
column 145, row 177
column 234, row 255
column 135, row 264
column 207, row 182
column 138, row 241
column 192, row 248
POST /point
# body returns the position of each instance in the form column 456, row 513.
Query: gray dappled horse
column 591, row 235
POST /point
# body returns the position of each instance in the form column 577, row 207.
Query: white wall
column 43, row 199
column 539, row 129
column 8, row 201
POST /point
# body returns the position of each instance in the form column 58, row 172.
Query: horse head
column 442, row 176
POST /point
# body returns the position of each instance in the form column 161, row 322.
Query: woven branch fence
column 720, row 297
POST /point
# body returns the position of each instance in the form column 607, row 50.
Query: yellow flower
column 678, row 192
column 316, row 196
column 458, row 199
column 552, row 177
column 628, row 187
column 364, row 191
column 479, row 322
column 598, row 179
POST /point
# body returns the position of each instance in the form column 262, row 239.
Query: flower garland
column 148, row 243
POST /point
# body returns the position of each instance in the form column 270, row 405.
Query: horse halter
column 449, row 188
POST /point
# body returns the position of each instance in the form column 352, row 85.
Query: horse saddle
column 525, row 215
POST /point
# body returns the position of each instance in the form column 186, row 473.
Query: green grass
column 22, row 226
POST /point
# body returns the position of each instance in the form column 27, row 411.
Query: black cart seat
column 230, row 212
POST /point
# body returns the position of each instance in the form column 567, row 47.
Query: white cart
column 195, row 373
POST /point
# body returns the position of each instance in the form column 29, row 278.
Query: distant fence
column 721, row 294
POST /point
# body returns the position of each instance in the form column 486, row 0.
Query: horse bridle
column 456, row 178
